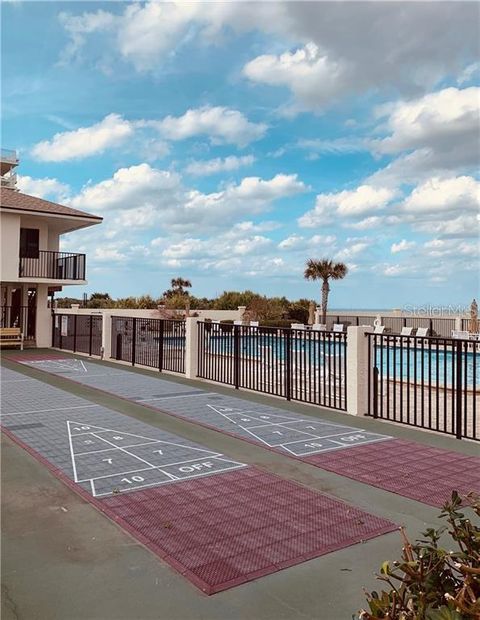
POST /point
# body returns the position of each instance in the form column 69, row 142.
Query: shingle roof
column 11, row 199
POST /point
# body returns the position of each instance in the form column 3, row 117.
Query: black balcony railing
column 54, row 265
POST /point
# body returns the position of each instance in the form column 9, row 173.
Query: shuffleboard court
column 284, row 431
column 220, row 523
column 407, row 468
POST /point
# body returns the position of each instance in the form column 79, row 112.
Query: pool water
column 422, row 365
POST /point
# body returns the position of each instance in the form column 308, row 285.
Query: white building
column 31, row 266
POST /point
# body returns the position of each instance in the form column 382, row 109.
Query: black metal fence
column 157, row 343
column 78, row 332
column 437, row 326
column 431, row 383
column 23, row 317
column 309, row 366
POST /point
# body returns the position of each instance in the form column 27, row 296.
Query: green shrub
column 429, row 582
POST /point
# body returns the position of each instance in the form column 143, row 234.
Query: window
column 29, row 241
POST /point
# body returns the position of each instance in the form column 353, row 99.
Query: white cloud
column 134, row 188
column 368, row 46
column 402, row 246
column 348, row 203
column 311, row 76
column 393, row 271
column 214, row 166
column 221, row 125
column 436, row 195
column 469, row 73
column 144, row 197
column 432, row 121
column 50, row 189
column 354, row 248
column 85, row 141
column 434, row 135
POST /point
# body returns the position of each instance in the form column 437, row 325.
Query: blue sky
column 229, row 142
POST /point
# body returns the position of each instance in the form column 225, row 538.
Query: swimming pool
column 436, row 366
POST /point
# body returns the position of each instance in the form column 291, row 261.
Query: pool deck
column 61, row 558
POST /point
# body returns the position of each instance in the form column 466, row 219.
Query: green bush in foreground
column 429, row 582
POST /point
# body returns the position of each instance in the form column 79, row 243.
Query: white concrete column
column 241, row 312
column 458, row 323
column 106, row 335
column 357, row 370
column 43, row 335
column 191, row 347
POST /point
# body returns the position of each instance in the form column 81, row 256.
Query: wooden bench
column 11, row 336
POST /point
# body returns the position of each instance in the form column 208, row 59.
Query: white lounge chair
column 319, row 327
column 379, row 329
column 460, row 334
column 298, row 326
column 337, row 327
column 254, row 323
column 407, row 331
column 238, row 322
column 422, row 332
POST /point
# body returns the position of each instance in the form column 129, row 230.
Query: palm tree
column 179, row 285
column 325, row 270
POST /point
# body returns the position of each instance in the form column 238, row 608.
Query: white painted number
column 158, row 451
column 313, row 445
column 109, row 461
column 133, row 479
column 352, row 438
column 81, row 428
column 117, row 437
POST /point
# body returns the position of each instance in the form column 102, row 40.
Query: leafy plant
column 429, row 582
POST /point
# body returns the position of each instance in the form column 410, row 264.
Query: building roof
column 11, row 199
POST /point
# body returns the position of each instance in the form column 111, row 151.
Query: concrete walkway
column 62, row 559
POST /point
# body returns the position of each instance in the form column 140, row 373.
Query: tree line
column 259, row 307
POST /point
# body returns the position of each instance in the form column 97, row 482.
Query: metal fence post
column 458, row 390
column 74, row 333
column 236, row 356
column 134, row 339
column 90, row 335
column 375, row 391
column 160, row 345
column 288, row 365
column 53, row 328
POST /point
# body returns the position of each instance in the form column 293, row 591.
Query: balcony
column 53, row 266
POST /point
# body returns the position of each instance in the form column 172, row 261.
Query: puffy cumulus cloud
column 50, row 189
column 348, row 203
column 112, row 131
column 141, row 197
column 432, row 120
column 434, row 135
column 219, row 124
column 453, row 195
column 251, row 196
column 139, row 188
column 402, row 246
column 214, row 166
column 311, row 76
